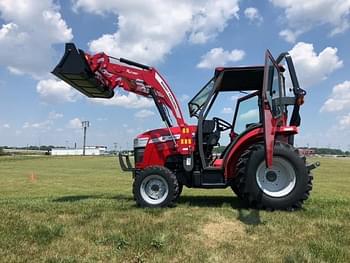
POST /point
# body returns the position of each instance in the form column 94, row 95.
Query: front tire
column 155, row 186
column 179, row 192
column 285, row 186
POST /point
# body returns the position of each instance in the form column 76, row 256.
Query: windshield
column 198, row 101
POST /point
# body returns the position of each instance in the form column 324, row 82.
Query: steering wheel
column 222, row 125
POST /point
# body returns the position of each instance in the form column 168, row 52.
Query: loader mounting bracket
column 313, row 166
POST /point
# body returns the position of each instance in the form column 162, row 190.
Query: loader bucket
column 74, row 69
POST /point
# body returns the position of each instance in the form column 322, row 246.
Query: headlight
column 140, row 142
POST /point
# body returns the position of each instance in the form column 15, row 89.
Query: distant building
column 89, row 150
column 306, row 151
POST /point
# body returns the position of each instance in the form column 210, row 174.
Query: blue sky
column 185, row 41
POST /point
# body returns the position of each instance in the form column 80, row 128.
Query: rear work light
column 74, row 70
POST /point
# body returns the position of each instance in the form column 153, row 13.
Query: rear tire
column 155, row 186
column 285, row 186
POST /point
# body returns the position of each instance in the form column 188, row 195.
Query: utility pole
column 115, row 148
column 85, row 125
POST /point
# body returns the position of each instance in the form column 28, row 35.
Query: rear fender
column 252, row 137
column 241, row 144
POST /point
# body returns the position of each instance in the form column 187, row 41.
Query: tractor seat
column 213, row 138
column 210, row 137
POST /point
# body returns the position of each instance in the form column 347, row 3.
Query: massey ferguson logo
column 131, row 72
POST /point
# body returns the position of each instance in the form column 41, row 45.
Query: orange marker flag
column 33, row 177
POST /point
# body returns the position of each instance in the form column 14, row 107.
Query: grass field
column 81, row 210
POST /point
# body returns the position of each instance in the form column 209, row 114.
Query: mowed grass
column 75, row 209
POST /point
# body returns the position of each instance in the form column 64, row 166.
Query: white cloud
column 289, row 35
column 211, row 17
column 220, row 57
column 14, row 71
column 26, row 125
column 41, row 124
column 339, row 99
column 311, row 67
column 150, row 35
column 227, row 110
column 74, row 123
column 44, row 125
column 253, row 15
column 27, row 37
column 130, row 100
column 143, row 114
column 55, row 115
column 250, row 115
column 6, row 126
column 303, row 15
column 56, row 91
column 344, row 122
column 52, row 90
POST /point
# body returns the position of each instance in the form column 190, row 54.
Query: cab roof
column 239, row 78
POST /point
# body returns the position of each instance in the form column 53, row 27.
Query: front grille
column 138, row 155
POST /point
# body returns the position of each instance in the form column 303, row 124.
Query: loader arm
column 98, row 75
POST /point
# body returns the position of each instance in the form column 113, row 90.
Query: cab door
column 271, row 106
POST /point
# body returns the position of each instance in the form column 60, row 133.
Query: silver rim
column 154, row 189
column 279, row 180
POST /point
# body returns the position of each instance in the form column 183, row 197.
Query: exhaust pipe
column 75, row 70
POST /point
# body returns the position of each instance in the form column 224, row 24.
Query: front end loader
column 259, row 163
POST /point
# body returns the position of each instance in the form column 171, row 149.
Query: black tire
column 235, row 189
column 247, row 187
column 238, row 182
column 160, row 175
column 179, row 192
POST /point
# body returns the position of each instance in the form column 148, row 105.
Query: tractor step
column 74, row 69
column 214, row 186
column 209, row 178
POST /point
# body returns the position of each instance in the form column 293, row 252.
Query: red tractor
column 259, row 163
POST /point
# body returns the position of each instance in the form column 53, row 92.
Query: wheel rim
column 279, row 180
column 154, row 189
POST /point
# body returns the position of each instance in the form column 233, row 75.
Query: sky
column 185, row 40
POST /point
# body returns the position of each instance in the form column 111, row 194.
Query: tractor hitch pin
column 313, row 166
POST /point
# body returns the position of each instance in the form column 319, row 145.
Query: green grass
column 81, row 210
